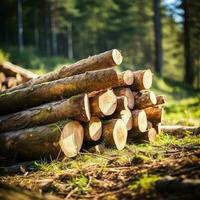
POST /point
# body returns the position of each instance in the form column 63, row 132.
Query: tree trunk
column 101, row 61
column 103, row 104
column 122, row 91
column 76, row 107
column 93, row 129
column 142, row 80
column 139, row 121
column 154, row 114
column 115, row 133
column 20, row 26
column 54, row 90
column 144, row 100
column 158, row 37
column 189, row 75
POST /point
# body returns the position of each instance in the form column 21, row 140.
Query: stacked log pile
column 79, row 107
column 12, row 75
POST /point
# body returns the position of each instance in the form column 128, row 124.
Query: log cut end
column 126, row 116
column 71, row 139
column 153, row 98
column 152, row 133
column 147, row 79
column 128, row 77
column 108, row 102
column 87, row 107
column 139, row 120
column 95, row 128
column 120, row 134
column 117, row 56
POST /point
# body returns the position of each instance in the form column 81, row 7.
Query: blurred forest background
column 163, row 35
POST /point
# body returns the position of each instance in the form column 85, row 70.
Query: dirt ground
column 156, row 171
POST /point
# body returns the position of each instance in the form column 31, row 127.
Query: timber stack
column 82, row 107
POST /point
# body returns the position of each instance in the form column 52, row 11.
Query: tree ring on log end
column 126, row 116
column 120, row 134
column 110, row 100
column 142, row 121
column 95, row 128
column 87, row 106
column 153, row 98
column 117, row 56
column 71, row 139
column 128, row 77
column 147, row 79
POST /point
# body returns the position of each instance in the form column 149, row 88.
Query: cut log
column 126, row 116
column 179, row 129
column 71, row 139
column 2, row 77
column 122, row 91
column 154, row 114
column 115, row 133
column 142, row 80
column 93, row 129
column 122, row 103
column 126, row 78
column 55, row 90
column 139, row 121
column 11, row 70
column 101, row 61
column 103, row 104
column 144, row 100
column 31, row 143
column 76, row 107
column 98, row 149
column 10, row 82
column 160, row 100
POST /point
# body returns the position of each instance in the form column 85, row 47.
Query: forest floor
column 168, row 168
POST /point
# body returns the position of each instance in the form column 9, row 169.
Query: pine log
column 31, row 143
column 160, row 100
column 142, row 80
column 122, row 103
column 144, row 100
column 179, row 129
column 71, row 139
column 101, row 61
column 103, row 104
column 2, row 77
column 11, row 70
column 93, row 129
column 122, row 91
column 55, row 90
column 154, row 114
column 97, row 149
column 76, row 107
column 139, row 121
column 115, row 133
column 126, row 116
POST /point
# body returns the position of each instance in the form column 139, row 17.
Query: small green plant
column 144, row 183
column 3, row 56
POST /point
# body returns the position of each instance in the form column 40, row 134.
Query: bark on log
column 122, row 91
column 142, row 80
column 11, row 70
column 139, row 121
column 32, row 143
column 103, row 104
column 144, row 100
column 101, row 61
column 76, row 107
column 179, row 129
column 160, row 100
column 55, row 90
column 93, row 129
column 154, row 114
column 122, row 103
column 115, row 133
